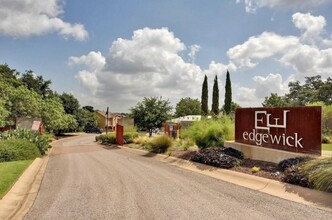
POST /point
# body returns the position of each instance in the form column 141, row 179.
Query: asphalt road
column 84, row 180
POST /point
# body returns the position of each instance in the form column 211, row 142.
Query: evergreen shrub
column 17, row 149
column 42, row 142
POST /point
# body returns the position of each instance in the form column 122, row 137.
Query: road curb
column 314, row 198
column 17, row 202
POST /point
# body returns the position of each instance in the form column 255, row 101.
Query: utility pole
column 106, row 120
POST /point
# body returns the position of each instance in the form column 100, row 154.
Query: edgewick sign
column 296, row 129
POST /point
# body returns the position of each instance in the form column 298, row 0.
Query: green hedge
column 40, row 141
column 17, row 149
column 111, row 138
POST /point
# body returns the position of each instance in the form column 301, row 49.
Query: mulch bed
column 267, row 169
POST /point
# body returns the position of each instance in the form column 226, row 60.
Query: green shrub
column 284, row 164
column 106, row 138
column 160, row 144
column 184, row 144
column 110, row 138
column 41, row 141
column 210, row 132
column 142, row 140
column 297, row 176
column 320, row 173
column 326, row 139
column 233, row 152
column 129, row 137
column 215, row 156
column 17, row 149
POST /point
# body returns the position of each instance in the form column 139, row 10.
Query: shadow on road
column 314, row 196
column 111, row 147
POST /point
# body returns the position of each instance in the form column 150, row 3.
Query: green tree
column 151, row 113
column 234, row 106
column 326, row 117
column 36, row 83
column 205, row 97
column 188, row 106
column 301, row 95
column 215, row 97
column 9, row 76
column 86, row 118
column 54, row 117
column 89, row 108
column 325, row 92
column 70, row 103
column 274, row 101
column 25, row 103
column 4, row 113
column 228, row 94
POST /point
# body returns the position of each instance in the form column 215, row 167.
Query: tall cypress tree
column 228, row 94
column 215, row 97
column 205, row 97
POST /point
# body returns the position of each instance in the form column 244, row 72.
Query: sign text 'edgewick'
column 262, row 117
column 295, row 129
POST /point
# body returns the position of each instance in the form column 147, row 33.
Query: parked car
column 93, row 130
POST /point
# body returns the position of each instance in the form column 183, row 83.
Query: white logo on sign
column 266, row 119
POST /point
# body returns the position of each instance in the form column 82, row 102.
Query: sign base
column 265, row 154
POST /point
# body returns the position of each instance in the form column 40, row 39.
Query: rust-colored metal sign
column 119, row 134
column 296, row 129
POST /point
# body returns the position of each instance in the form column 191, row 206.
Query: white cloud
column 193, row 50
column 253, row 5
column 24, row 18
column 94, row 60
column 148, row 64
column 266, row 85
column 260, row 47
column 307, row 54
column 312, row 27
column 309, row 61
column 245, row 96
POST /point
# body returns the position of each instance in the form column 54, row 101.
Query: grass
column 327, row 147
column 9, row 174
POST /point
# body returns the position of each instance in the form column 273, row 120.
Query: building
column 107, row 123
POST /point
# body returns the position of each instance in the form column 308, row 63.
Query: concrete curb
column 314, row 198
column 16, row 203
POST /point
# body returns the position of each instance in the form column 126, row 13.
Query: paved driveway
column 84, row 180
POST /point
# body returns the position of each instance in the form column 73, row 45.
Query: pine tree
column 205, row 97
column 228, row 94
column 215, row 97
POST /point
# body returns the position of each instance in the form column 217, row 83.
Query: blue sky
column 113, row 53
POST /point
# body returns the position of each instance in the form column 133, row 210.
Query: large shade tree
column 151, row 113
column 36, row 83
column 188, row 106
column 313, row 90
column 274, row 100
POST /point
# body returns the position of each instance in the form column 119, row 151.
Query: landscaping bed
column 267, row 169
